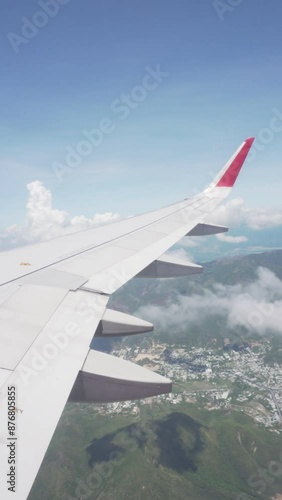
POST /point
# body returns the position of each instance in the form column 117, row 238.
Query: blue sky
column 223, row 83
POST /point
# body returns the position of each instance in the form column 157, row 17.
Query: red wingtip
column 250, row 140
column 229, row 177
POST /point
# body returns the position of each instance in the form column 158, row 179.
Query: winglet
column 233, row 167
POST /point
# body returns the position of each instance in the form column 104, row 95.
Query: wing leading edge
column 80, row 272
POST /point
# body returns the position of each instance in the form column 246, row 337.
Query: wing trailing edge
column 167, row 266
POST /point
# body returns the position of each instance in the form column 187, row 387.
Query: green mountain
column 166, row 454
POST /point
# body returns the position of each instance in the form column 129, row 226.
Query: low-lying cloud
column 257, row 306
column 226, row 238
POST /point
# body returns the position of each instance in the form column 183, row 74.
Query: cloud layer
column 256, row 306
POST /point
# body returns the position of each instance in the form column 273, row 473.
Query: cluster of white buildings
column 218, row 379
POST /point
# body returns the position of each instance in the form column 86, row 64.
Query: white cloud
column 43, row 222
column 257, row 306
column 181, row 254
column 226, row 238
column 189, row 242
column 234, row 212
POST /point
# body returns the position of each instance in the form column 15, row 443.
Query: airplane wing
column 53, row 300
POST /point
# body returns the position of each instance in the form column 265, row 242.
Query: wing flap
column 167, row 266
column 207, row 230
column 105, row 378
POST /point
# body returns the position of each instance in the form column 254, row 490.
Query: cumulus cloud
column 257, row 306
column 234, row 212
column 43, row 222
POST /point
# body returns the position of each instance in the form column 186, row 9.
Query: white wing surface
column 53, row 299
